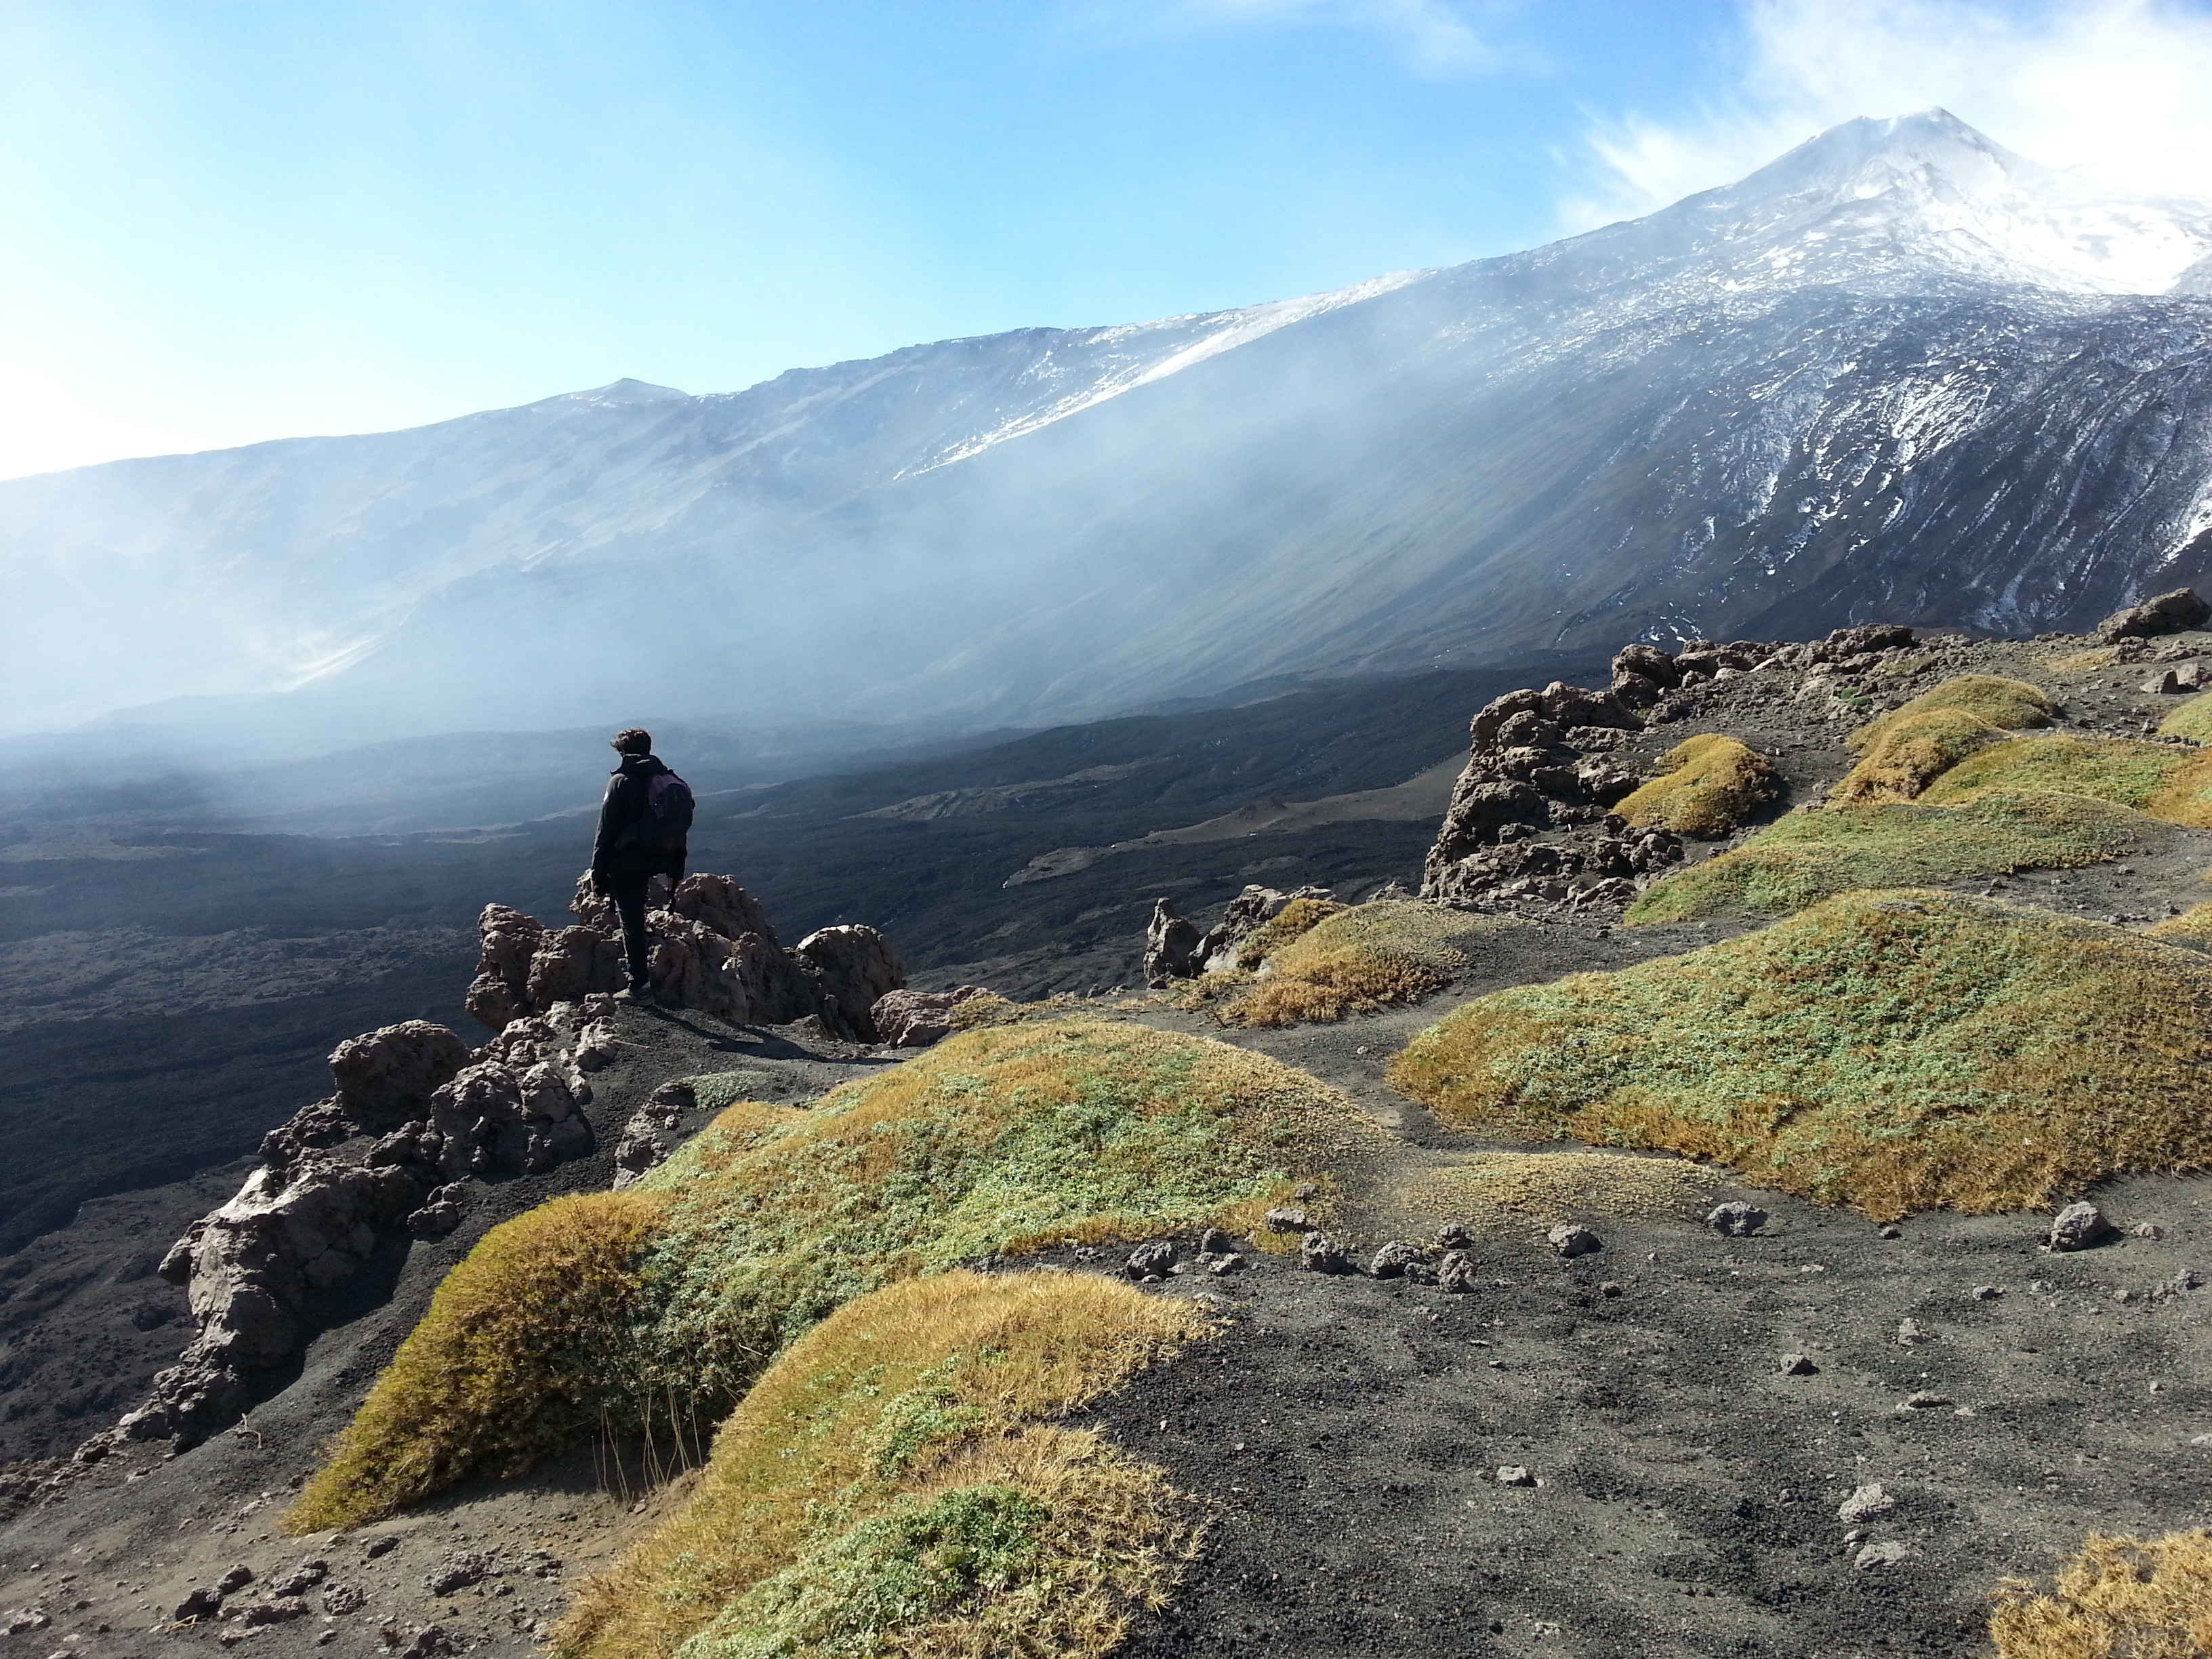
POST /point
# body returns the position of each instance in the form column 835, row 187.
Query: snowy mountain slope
column 1899, row 372
column 281, row 564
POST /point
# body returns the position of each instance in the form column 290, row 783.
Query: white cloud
column 2117, row 89
column 1437, row 38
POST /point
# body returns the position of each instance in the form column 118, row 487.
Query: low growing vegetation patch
column 1806, row 857
column 994, row 1142
column 511, row 1361
column 894, row 1484
column 1890, row 1051
column 2158, row 778
column 2193, row 721
column 1902, row 751
column 1708, row 786
column 1501, row 1190
column 2120, row 1598
column 1358, row 960
column 1299, row 916
column 2193, row 926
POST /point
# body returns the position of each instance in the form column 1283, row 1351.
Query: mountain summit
column 1920, row 195
column 1901, row 373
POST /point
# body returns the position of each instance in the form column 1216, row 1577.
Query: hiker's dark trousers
column 627, row 888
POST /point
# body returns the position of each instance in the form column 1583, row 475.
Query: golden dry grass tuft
column 1902, row 751
column 995, row 1141
column 1501, row 1190
column 1293, row 918
column 1358, row 960
column 2082, row 662
column 977, row 1011
column 1806, row 857
column 2121, row 1598
column 1892, row 1051
column 1708, row 786
column 2193, row 721
column 670, row 1298
column 893, row 1485
column 510, row 1362
column 2192, row 927
column 992, row 1009
column 2158, row 778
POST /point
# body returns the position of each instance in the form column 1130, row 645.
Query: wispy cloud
column 1446, row 39
column 2114, row 87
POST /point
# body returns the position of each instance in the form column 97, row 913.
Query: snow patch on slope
column 1223, row 331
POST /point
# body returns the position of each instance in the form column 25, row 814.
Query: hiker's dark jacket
column 612, row 852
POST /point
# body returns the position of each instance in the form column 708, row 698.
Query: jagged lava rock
column 2167, row 613
column 1170, row 945
column 915, row 1019
column 853, row 967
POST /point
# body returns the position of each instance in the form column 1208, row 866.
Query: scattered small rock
column 1798, row 1364
column 1512, row 1475
column 1454, row 1235
column 1286, row 1219
column 1394, row 1258
column 1455, row 1273
column 29, row 1618
column 236, row 1579
column 1222, row 1266
column 1865, row 1502
column 1571, row 1239
column 281, row 1610
column 1152, row 1260
column 383, row 1546
column 1925, row 1399
column 1886, row 1554
column 1910, row 1335
column 205, row 1603
column 1737, row 1220
column 1214, row 1241
column 2146, row 1229
column 2077, row 1227
column 1891, row 1230
column 1323, row 1253
column 302, row 1579
column 1988, row 1292
column 339, row 1599
column 1610, row 1287
column 458, row 1571
column 427, row 1642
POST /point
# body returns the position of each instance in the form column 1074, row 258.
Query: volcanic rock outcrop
column 915, row 1019
column 416, row 1117
column 1530, row 816
column 1170, row 945
column 715, row 951
column 2167, row 613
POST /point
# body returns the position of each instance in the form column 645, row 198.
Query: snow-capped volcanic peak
column 1929, row 189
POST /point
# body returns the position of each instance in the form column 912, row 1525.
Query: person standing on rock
column 644, row 824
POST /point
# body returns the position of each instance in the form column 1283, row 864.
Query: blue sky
column 232, row 220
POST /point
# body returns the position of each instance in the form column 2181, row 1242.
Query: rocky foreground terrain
column 1443, row 1382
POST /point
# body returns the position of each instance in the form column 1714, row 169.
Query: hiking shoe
column 635, row 994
